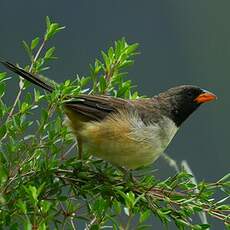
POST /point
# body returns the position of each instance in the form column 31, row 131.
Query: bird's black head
column 179, row 102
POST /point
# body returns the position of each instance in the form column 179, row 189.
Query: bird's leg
column 123, row 170
column 128, row 174
column 79, row 142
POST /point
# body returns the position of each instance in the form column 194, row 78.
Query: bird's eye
column 190, row 94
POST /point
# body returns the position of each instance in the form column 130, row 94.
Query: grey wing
column 96, row 108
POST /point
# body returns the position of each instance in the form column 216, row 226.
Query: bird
column 127, row 133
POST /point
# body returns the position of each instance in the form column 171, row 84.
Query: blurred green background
column 181, row 42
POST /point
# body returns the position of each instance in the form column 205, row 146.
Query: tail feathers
column 28, row 76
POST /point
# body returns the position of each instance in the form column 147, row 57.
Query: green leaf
column 144, row 227
column 37, row 95
column 144, row 216
column 95, row 227
column 227, row 225
column 27, row 49
column 45, row 206
column 24, row 107
column 3, row 174
column 84, row 81
column 2, row 76
column 123, row 89
column 2, row 90
column 197, row 208
column 225, row 207
column 3, row 130
column 49, row 53
column 48, row 22
column 111, row 54
column 99, row 207
column 132, row 48
column 22, row 206
column 106, row 59
column 201, row 226
column 34, row 43
column 34, row 192
column 117, row 207
column 28, row 225
column 126, row 63
column 102, row 84
column 52, row 29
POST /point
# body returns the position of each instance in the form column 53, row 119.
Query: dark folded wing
column 96, row 107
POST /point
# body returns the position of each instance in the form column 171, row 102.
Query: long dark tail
column 28, row 76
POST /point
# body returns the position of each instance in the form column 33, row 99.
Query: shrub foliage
column 44, row 185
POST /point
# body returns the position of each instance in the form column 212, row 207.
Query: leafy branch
column 43, row 184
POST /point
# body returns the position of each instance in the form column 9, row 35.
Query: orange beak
column 205, row 97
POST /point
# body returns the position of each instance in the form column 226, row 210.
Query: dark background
column 181, row 42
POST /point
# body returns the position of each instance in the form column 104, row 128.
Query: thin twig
column 21, row 86
column 72, row 223
column 130, row 218
column 69, row 150
column 171, row 162
column 186, row 167
column 88, row 226
column 21, row 83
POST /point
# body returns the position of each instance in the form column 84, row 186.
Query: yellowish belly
column 123, row 139
column 121, row 153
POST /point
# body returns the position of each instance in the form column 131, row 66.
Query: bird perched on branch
column 127, row 133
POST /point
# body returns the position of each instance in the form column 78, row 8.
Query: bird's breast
column 125, row 140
